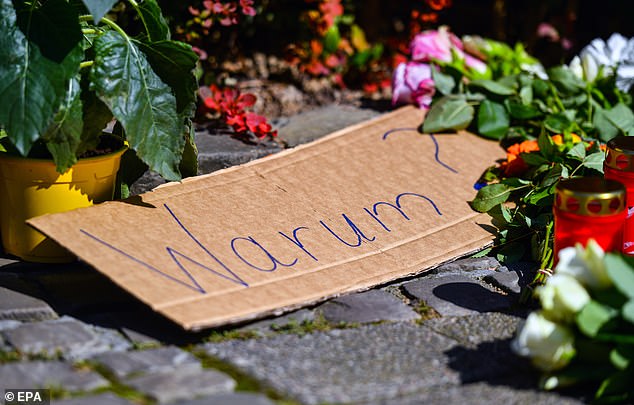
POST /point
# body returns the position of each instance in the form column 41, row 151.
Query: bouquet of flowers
column 552, row 123
column 584, row 331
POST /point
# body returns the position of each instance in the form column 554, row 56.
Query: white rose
column 548, row 344
column 586, row 265
column 562, row 297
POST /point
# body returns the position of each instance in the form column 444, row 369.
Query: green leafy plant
column 67, row 69
column 553, row 124
column 584, row 331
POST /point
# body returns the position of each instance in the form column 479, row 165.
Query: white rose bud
column 548, row 344
column 562, row 297
column 586, row 265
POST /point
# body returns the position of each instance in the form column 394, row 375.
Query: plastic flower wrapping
column 584, row 331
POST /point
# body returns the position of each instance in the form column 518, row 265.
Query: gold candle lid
column 620, row 153
column 590, row 196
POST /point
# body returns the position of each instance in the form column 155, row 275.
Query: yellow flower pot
column 32, row 187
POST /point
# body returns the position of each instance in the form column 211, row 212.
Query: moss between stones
column 244, row 382
column 425, row 311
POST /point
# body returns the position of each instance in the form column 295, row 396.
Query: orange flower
column 559, row 140
column 515, row 165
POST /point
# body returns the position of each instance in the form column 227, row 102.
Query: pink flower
column 441, row 45
column 434, row 45
column 412, row 83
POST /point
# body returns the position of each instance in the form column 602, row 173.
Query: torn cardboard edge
column 363, row 206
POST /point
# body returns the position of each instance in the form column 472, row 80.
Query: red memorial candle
column 589, row 207
column 619, row 165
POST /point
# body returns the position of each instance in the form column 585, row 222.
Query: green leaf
column 628, row 311
column 557, row 123
column 155, row 24
column 526, row 94
column 96, row 116
column 332, row 39
column 522, row 111
column 578, row 151
column 621, row 273
column 448, row 114
column 174, row 62
column 622, row 356
column 594, row 317
column 594, row 161
column 616, row 388
column 493, row 87
column 501, row 213
column 63, row 136
column 546, row 146
column 99, row 8
column 124, row 80
column 493, row 120
column 189, row 164
column 621, row 117
column 53, row 27
column 605, row 128
column 565, row 80
column 534, row 159
column 511, row 253
column 32, row 87
column 490, row 196
column 444, row 83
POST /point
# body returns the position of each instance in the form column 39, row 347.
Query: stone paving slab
column 471, row 266
column 182, row 384
column 366, row 307
column 234, row 398
column 43, row 374
column 219, row 151
column 347, row 365
column 103, row 399
column 457, row 295
column 481, row 394
column 22, row 307
column 163, row 359
column 314, row 124
column 66, row 337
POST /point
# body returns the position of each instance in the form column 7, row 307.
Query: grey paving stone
column 456, row 295
column 471, row 331
column 22, row 307
column 182, row 384
column 103, row 399
column 217, row 152
column 267, row 325
column 507, row 281
column 482, row 394
column 234, row 398
column 148, row 181
column 43, row 374
column 471, row 266
column 352, row 365
column 368, row 306
column 161, row 359
column 311, row 125
column 66, row 337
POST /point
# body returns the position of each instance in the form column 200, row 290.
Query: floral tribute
column 553, row 124
column 584, row 331
column 230, row 106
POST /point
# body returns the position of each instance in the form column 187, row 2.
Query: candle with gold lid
column 619, row 165
column 589, row 207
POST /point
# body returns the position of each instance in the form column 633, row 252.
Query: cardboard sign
column 363, row 206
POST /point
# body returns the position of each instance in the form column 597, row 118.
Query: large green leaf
column 155, row 24
column 565, row 80
column 493, row 87
column 594, row 317
column 174, row 62
column 621, row 117
column 64, row 135
column 96, row 115
column 448, row 114
column 606, row 130
column 32, row 87
column 145, row 106
column 490, row 196
column 493, row 119
column 99, row 8
column 53, row 27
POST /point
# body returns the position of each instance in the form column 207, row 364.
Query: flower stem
column 114, row 26
column 86, row 64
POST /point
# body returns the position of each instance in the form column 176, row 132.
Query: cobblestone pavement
column 439, row 338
